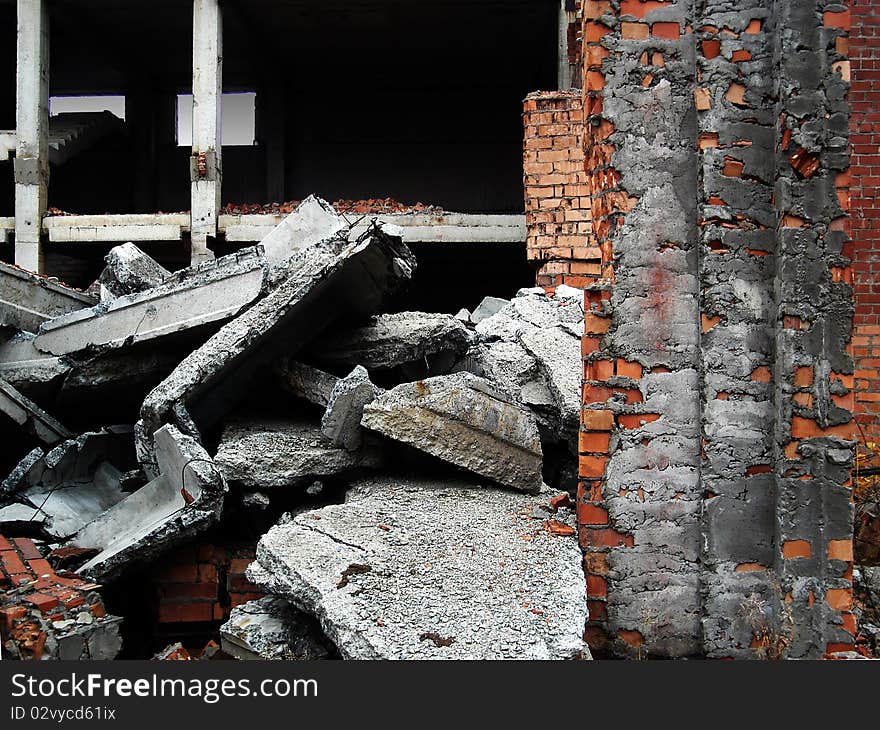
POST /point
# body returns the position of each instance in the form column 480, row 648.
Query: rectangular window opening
column 237, row 119
column 78, row 104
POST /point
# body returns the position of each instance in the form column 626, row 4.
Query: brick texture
column 864, row 54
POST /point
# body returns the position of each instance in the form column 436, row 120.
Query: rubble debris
column 22, row 365
column 46, row 615
column 474, row 567
column 274, row 454
column 76, row 481
column 201, row 295
column 183, row 500
column 371, row 205
column 464, row 420
column 27, row 414
column 488, row 307
column 319, row 286
column 306, row 382
column 271, row 628
column 557, row 350
column 27, row 300
column 433, row 342
column 129, row 271
column 313, row 222
column 341, row 422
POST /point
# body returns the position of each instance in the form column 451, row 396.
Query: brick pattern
column 33, row 594
column 864, row 223
column 556, row 196
column 202, row 583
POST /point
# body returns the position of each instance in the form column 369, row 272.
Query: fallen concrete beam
column 306, row 382
column 27, row 414
column 202, row 295
column 273, row 454
column 27, row 300
column 320, row 285
column 129, row 270
column 271, row 629
column 432, row 341
column 23, row 365
column 421, row 570
column 313, row 221
column 466, row 421
column 185, row 499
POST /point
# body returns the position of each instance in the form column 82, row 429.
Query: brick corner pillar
column 864, row 54
column 559, row 235
column 32, row 132
column 205, row 160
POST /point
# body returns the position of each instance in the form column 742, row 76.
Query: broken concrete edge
column 188, row 474
column 137, row 317
column 129, row 270
column 27, row 414
column 375, row 261
column 306, row 382
column 27, row 300
column 313, row 221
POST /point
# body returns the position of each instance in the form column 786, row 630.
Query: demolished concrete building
column 643, row 446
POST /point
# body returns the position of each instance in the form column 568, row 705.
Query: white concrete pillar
column 207, row 89
column 563, row 75
column 32, row 128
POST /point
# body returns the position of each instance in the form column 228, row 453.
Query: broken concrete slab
column 341, row 422
column 464, row 420
column 319, row 286
column 29, row 416
column 75, row 482
column 185, row 499
column 488, row 307
column 530, row 308
column 306, row 382
column 432, row 341
column 129, row 270
column 27, row 300
column 313, row 222
column 20, row 514
column 272, row 629
column 408, row 569
column 193, row 298
column 22, row 365
column 558, row 353
column 274, row 454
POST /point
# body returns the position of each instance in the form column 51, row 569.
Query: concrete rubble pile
column 415, row 465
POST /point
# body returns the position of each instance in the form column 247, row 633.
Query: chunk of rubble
column 48, row 616
column 433, row 342
column 27, row 300
column 75, row 482
column 129, row 270
column 273, row 454
column 270, row 628
column 184, row 500
column 467, row 421
column 29, row 416
column 341, row 422
column 313, row 222
column 198, row 297
column 557, row 350
column 420, row 570
column 488, row 307
column 320, row 286
column 306, row 382
column 22, row 365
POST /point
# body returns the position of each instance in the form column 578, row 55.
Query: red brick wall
column 864, row 52
column 556, row 195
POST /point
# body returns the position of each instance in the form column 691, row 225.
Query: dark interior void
column 355, row 98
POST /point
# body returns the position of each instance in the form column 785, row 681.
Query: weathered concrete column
column 205, row 165
column 32, row 127
column 564, row 69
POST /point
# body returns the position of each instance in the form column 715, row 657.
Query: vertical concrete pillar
column 564, row 69
column 205, row 163
column 32, row 127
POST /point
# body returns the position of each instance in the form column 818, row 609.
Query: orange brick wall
column 556, row 195
column 864, row 52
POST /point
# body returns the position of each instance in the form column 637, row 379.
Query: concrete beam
column 564, row 71
column 26, row 300
column 32, row 129
column 116, row 228
column 207, row 89
column 30, row 416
